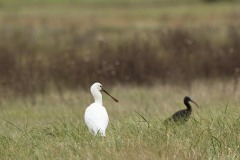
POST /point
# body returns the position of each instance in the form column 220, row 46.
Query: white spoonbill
column 96, row 116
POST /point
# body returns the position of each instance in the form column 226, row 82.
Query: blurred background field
column 149, row 54
column 72, row 44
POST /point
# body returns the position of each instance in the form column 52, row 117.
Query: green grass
column 51, row 126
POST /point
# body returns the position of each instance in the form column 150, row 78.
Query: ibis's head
column 188, row 99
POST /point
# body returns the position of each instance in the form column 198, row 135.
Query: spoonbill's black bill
column 109, row 95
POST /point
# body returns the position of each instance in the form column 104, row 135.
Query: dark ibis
column 182, row 116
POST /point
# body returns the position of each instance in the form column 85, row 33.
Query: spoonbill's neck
column 97, row 95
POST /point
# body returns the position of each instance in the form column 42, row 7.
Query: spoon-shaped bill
column 109, row 95
column 194, row 103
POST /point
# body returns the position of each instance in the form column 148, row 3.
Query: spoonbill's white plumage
column 96, row 116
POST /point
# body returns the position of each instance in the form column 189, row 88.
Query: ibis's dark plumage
column 182, row 116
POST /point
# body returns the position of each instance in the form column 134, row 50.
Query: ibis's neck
column 97, row 96
column 189, row 108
